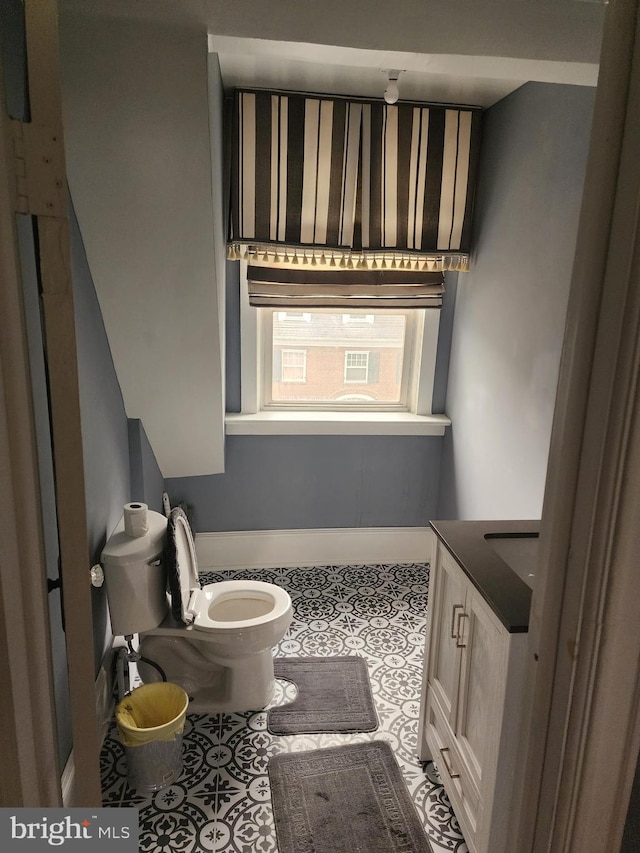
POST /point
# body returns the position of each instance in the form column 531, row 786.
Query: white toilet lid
column 182, row 564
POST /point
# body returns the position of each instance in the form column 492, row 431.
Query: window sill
column 336, row 423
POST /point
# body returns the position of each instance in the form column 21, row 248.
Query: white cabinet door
column 462, row 792
column 481, row 688
column 471, row 697
column 447, row 605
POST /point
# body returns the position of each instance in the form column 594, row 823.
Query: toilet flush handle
column 97, row 575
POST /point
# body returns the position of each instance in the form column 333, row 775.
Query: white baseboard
column 252, row 549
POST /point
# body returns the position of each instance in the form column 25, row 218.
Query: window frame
column 254, row 418
column 414, row 330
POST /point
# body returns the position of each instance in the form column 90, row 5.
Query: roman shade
column 345, row 289
column 324, row 181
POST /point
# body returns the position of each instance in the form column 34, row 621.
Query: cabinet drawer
column 457, row 783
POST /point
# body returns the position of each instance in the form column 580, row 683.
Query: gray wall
column 510, row 308
column 109, row 457
column 14, row 58
column 232, row 337
column 113, row 465
column 298, row 482
column 105, row 436
column 147, row 482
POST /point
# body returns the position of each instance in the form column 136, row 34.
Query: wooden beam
column 29, row 770
column 59, row 330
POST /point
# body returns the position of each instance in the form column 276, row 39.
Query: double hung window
column 356, row 367
column 326, row 368
column 335, row 361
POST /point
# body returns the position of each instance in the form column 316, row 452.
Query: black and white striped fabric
column 352, row 175
column 307, row 288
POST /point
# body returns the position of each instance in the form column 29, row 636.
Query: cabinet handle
column 460, row 644
column 453, row 775
column 454, row 630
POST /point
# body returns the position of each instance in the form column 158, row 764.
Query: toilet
column 214, row 641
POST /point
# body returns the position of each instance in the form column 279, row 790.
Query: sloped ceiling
column 458, row 51
column 556, row 30
column 443, row 78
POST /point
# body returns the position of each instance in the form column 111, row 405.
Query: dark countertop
column 504, row 591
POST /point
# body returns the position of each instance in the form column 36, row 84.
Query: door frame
column 585, row 642
column 582, row 704
column 29, row 770
column 33, row 178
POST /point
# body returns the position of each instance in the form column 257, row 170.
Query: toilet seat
column 214, row 606
column 217, row 606
column 182, row 565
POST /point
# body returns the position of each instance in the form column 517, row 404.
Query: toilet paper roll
column 136, row 522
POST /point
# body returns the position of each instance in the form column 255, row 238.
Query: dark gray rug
column 334, row 695
column 344, row 799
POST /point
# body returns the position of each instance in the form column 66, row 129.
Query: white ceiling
column 457, row 79
column 459, row 51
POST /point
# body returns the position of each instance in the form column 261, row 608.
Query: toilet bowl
column 214, row 641
column 224, row 658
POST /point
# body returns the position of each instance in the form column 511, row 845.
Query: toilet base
column 214, row 686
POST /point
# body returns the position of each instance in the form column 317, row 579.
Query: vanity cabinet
column 471, row 702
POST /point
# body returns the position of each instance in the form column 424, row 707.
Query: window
column 335, row 371
column 293, row 365
column 293, row 315
column 324, row 363
column 357, row 318
column 356, row 367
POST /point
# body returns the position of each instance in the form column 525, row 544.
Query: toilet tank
column 136, row 577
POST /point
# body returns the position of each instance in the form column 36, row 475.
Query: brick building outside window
column 322, row 356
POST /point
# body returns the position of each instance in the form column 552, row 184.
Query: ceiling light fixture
column 392, row 92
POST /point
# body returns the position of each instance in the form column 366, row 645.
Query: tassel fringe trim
column 292, row 256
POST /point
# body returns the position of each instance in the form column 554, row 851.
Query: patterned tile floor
column 221, row 802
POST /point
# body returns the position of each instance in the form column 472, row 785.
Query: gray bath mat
column 334, row 695
column 342, row 799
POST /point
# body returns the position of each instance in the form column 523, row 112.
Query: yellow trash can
column 150, row 723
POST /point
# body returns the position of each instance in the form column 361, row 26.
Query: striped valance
column 306, row 288
column 335, row 175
